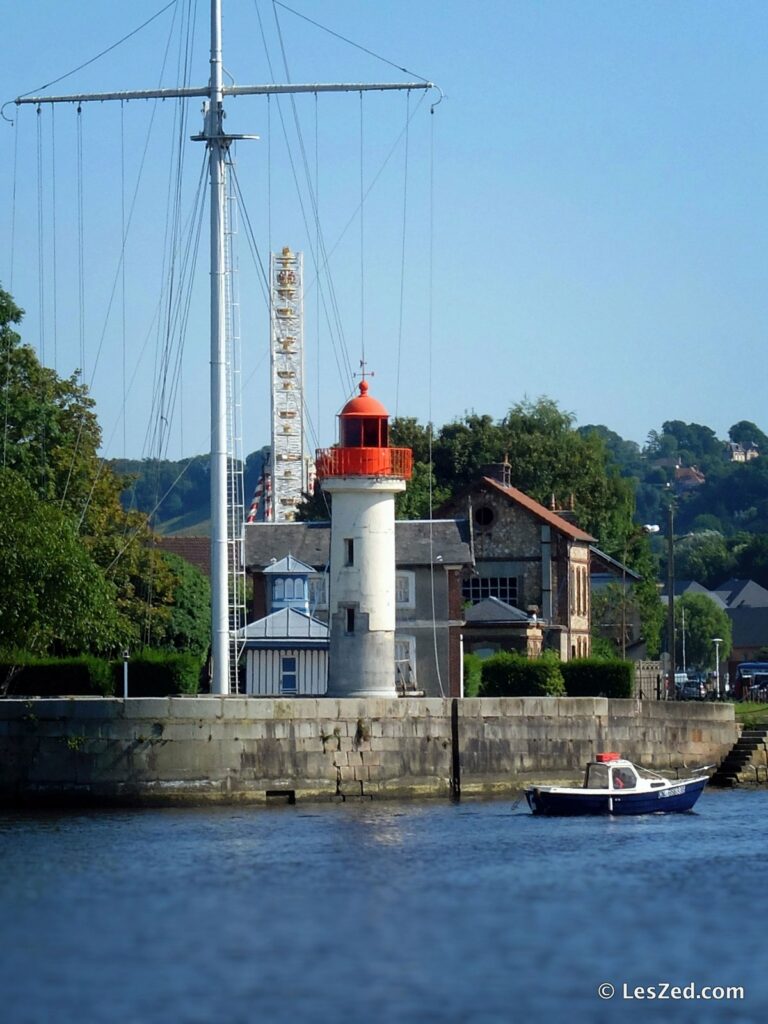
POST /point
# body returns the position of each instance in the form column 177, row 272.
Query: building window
column 405, row 662
column 405, row 590
column 484, row 516
column 349, row 551
column 288, row 675
column 318, row 592
column 477, row 588
column 350, row 620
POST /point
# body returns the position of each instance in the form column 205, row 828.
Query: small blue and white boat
column 613, row 785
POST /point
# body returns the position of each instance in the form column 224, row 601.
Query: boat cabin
column 615, row 775
column 612, row 772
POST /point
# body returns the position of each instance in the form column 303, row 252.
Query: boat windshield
column 623, row 778
column 597, row 777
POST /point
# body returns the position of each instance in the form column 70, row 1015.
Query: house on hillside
column 740, row 452
column 529, row 558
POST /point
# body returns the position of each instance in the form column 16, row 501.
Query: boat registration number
column 675, row 791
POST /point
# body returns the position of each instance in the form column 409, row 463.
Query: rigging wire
column 341, row 341
column 13, row 203
column 430, row 312
column 402, row 257
column 318, row 361
column 362, row 238
column 98, row 56
column 55, row 288
column 122, row 274
column 12, row 253
column 80, row 247
column 117, row 273
column 351, row 42
column 40, row 240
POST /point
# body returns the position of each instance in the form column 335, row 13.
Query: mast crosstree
column 218, row 143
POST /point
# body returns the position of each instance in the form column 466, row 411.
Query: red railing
column 395, row 462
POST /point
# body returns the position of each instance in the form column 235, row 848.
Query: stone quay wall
column 198, row 749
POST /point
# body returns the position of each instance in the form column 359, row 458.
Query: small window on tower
column 349, row 551
column 350, row 620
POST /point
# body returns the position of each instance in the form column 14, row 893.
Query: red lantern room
column 363, row 448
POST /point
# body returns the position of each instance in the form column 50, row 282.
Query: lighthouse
column 363, row 475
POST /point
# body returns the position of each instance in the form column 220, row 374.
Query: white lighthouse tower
column 363, row 475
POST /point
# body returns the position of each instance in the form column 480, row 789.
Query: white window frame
column 405, row 580
column 410, row 641
column 318, row 588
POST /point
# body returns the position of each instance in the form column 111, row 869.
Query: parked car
column 693, row 689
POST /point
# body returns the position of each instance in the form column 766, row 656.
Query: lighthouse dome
column 363, row 404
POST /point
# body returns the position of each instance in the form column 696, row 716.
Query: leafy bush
column 158, row 674
column 595, row 677
column 473, row 674
column 511, row 675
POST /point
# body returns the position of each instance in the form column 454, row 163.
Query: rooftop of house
column 543, row 513
column 195, row 550
column 742, row 594
column 417, row 542
column 493, row 611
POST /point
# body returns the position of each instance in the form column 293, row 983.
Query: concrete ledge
column 233, row 749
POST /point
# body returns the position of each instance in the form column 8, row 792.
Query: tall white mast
column 218, row 144
column 217, row 147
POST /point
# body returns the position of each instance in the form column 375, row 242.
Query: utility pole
column 213, row 95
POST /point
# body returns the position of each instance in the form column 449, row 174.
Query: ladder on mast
column 235, row 456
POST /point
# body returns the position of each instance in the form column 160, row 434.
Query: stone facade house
column 530, row 558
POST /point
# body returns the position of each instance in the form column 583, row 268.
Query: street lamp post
column 671, row 599
column 717, row 641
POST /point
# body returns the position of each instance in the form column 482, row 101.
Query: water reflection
column 378, row 912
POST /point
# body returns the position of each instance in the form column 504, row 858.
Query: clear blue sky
column 598, row 191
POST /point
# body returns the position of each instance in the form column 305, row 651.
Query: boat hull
column 675, row 798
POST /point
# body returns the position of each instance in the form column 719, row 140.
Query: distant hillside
column 178, row 493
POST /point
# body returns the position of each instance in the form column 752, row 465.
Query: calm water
column 366, row 913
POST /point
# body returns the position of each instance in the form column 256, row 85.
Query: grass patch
column 751, row 714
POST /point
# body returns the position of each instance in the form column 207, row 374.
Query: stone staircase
column 730, row 771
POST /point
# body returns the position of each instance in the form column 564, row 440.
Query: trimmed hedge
column 156, row 674
column 473, row 674
column 57, row 677
column 512, row 675
column 595, row 677
column 151, row 674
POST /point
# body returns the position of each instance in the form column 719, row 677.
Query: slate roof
column 310, row 543
column 492, row 610
column 742, row 594
column 286, row 624
column 692, row 587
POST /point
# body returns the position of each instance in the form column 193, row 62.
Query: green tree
column 703, row 557
column 189, row 623
column 51, row 438
column 53, row 597
column 704, row 620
